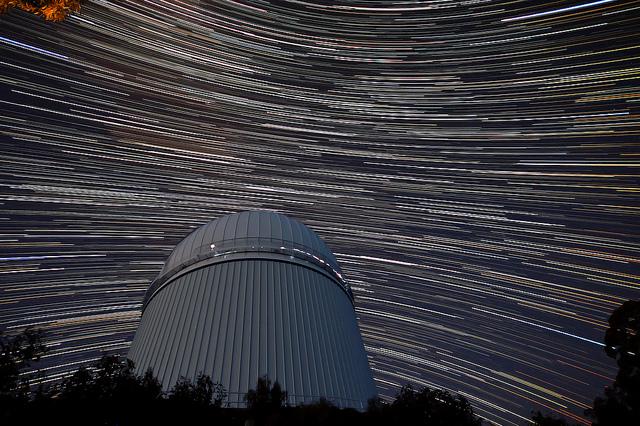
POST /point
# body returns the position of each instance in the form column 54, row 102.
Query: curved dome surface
column 253, row 233
column 259, row 227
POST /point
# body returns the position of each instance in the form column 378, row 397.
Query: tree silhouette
column 198, row 393
column 265, row 401
column 16, row 354
column 265, row 397
column 78, row 387
column 620, row 404
column 429, row 407
column 433, row 407
column 50, row 10
column 540, row 419
column 110, row 392
column 320, row 413
column 622, row 339
column 113, row 379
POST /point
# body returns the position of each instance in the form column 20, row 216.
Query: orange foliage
column 51, row 10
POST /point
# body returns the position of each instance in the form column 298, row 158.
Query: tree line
column 110, row 392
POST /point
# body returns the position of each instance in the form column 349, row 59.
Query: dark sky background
column 472, row 164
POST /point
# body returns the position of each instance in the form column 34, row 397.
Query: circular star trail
column 473, row 165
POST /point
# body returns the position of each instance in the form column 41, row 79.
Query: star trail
column 472, row 164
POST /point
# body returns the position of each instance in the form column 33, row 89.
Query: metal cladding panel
column 242, row 319
column 219, row 227
column 277, row 226
column 287, row 234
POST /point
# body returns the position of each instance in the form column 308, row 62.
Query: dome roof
column 252, row 228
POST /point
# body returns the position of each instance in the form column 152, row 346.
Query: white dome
column 259, row 227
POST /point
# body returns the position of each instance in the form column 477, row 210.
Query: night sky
column 472, row 164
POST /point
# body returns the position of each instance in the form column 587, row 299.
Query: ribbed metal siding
column 239, row 320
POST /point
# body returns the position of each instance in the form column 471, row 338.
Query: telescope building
column 249, row 295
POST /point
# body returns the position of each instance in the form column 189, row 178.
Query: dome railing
column 252, row 245
column 236, row 400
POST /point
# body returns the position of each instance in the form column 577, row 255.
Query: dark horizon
column 472, row 166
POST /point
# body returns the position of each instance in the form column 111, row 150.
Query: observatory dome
column 250, row 295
